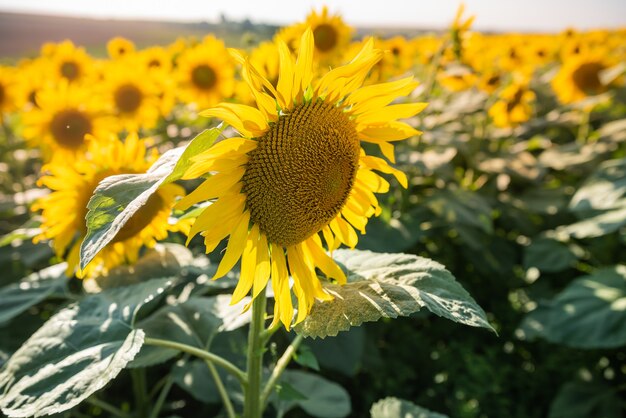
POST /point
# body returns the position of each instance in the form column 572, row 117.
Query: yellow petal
column 263, row 268
column 389, row 131
column 372, row 181
column 248, row 120
column 215, row 186
column 236, row 244
column 214, row 215
column 382, row 166
column 325, row 263
column 344, row 232
column 304, row 65
column 248, row 266
column 285, row 85
column 283, row 308
column 389, row 113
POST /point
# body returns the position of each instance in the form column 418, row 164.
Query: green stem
column 230, row 411
column 107, row 407
column 205, row 355
column 162, row 396
column 281, row 365
column 583, row 129
column 253, row 407
column 139, row 387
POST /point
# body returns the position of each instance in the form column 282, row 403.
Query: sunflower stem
column 139, row 387
column 281, row 365
column 228, row 405
column 253, row 407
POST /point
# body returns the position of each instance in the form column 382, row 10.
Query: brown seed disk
column 301, row 173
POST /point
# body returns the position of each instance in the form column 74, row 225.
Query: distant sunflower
column 64, row 115
column 205, row 73
column 298, row 173
column 69, row 62
column 119, row 47
column 7, row 80
column 132, row 96
column 513, row 106
column 579, row 77
column 64, row 210
column 33, row 79
column 156, row 59
column 330, row 33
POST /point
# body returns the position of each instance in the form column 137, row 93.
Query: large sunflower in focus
column 205, row 73
column 65, row 113
column 298, row 173
column 579, row 77
column 64, row 210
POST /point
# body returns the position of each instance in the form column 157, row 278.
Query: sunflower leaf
column 117, row 198
column 76, row 352
column 388, row 286
column 589, row 313
column 399, row 408
column 18, row 297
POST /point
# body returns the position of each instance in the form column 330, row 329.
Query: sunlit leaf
column 18, row 297
column 117, row 198
column 387, row 286
column 589, row 313
column 77, row 352
column 399, row 408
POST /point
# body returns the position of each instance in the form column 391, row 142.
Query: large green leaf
column 387, row 286
column 585, row 400
column 603, row 190
column 399, row 408
column 596, row 226
column 548, row 255
column 117, row 198
column 589, row 313
column 18, row 297
column 322, row 398
column 193, row 322
column 76, row 352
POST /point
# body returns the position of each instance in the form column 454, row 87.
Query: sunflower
column 156, row 59
column 205, row 73
column 119, row 47
column 132, row 96
column 69, row 62
column 7, row 78
column 579, row 77
column 298, row 173
column 513, row 106
column 64, row 209
column 32, row 80
column 330, row 33
column 64, row 115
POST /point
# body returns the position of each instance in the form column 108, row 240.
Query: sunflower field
column 317, row 224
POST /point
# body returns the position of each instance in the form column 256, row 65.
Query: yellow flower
column 298, row 173
column 68, row 61
column 457, row 78
column 513, row 106
column 119, row 47
column 330, row 33
column 579, row 77
column 205, row 73
column 33, row 79
column 132, row 96
column 156, row 59
column 64, row 209
column 65, row 114
column 7, row 101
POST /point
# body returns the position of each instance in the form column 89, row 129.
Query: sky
column 522, row 15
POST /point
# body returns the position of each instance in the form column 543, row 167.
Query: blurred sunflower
column 64, row 115
column 579, row 77
column 7, row 79
column 132, row 96
column 330, row 33
column 513, row 106
column 156, row 59
column 68, row 61
column 119, row 47
column 72, row 185
column 33, row 79
column 398, row 58
column 297, row 172
column 205, row 73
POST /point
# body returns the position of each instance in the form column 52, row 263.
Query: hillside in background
column 22, row 34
